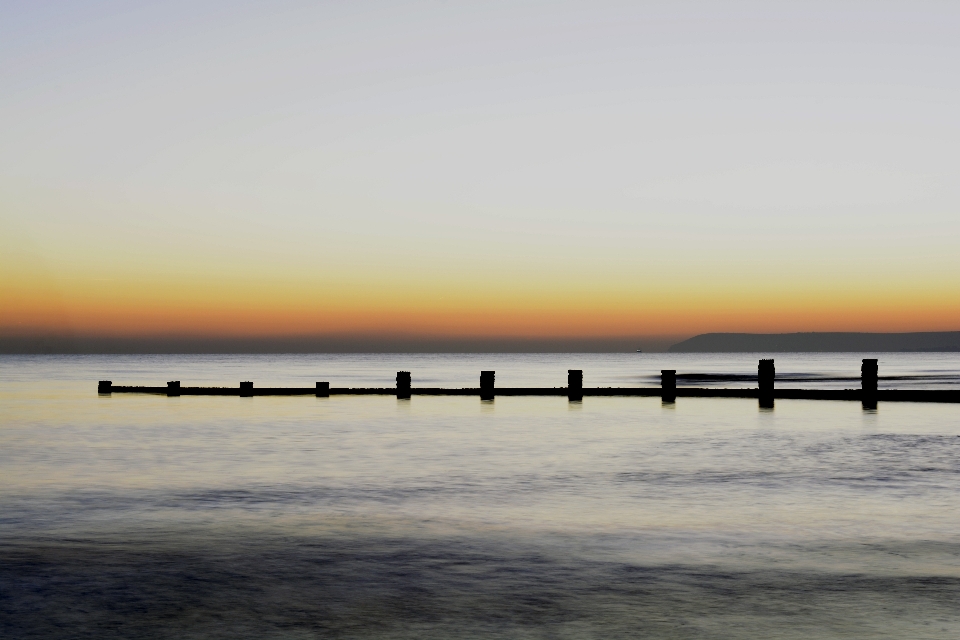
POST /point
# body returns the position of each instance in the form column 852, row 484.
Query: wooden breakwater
column 765, row 392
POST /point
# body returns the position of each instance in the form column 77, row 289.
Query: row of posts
column 766, row 374
column 486, row 384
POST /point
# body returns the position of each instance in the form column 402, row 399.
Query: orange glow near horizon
column 263, row 310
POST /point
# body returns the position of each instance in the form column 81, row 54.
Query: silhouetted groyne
column 766, row 392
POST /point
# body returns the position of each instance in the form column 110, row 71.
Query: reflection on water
column 358, row 579
column 438, row 517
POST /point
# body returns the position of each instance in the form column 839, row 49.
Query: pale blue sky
column 680, row 140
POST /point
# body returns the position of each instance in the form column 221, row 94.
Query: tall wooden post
column 766, row 373
column 868, row 383
column 668, row 385
column 403, row 384
column 486, row 384
column 574, row 384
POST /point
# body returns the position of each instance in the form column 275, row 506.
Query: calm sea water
column 132, row 516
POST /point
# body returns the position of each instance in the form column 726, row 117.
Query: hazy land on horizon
column 929, row 341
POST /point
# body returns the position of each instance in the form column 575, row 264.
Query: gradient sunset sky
column 590, row 170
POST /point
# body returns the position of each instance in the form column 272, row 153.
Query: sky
column 627, row 173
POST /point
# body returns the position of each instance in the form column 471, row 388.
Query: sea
column 146, row 516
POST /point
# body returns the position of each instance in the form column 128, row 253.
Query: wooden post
column 323, row 389
column 487, row 385
column 105, row 386
column 246, row 389
column 668, row 385
column 766, row 373
column 173, row 388
column 868, row 383
column 403, row 384
column 574, row 384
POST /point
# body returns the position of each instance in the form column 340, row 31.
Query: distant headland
column 814, row 341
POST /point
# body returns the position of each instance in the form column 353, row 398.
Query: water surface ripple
column 135, row 516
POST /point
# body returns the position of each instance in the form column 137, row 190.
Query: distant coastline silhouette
column 815, row 341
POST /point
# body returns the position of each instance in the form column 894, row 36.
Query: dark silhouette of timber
column 765, row 393
column 766, row 373
column 486, row 385
column 403, row 384
column 575, row 384
column 812, row 342
column 868, row 383
column 668, row 385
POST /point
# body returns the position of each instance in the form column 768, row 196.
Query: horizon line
column 38, row 344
